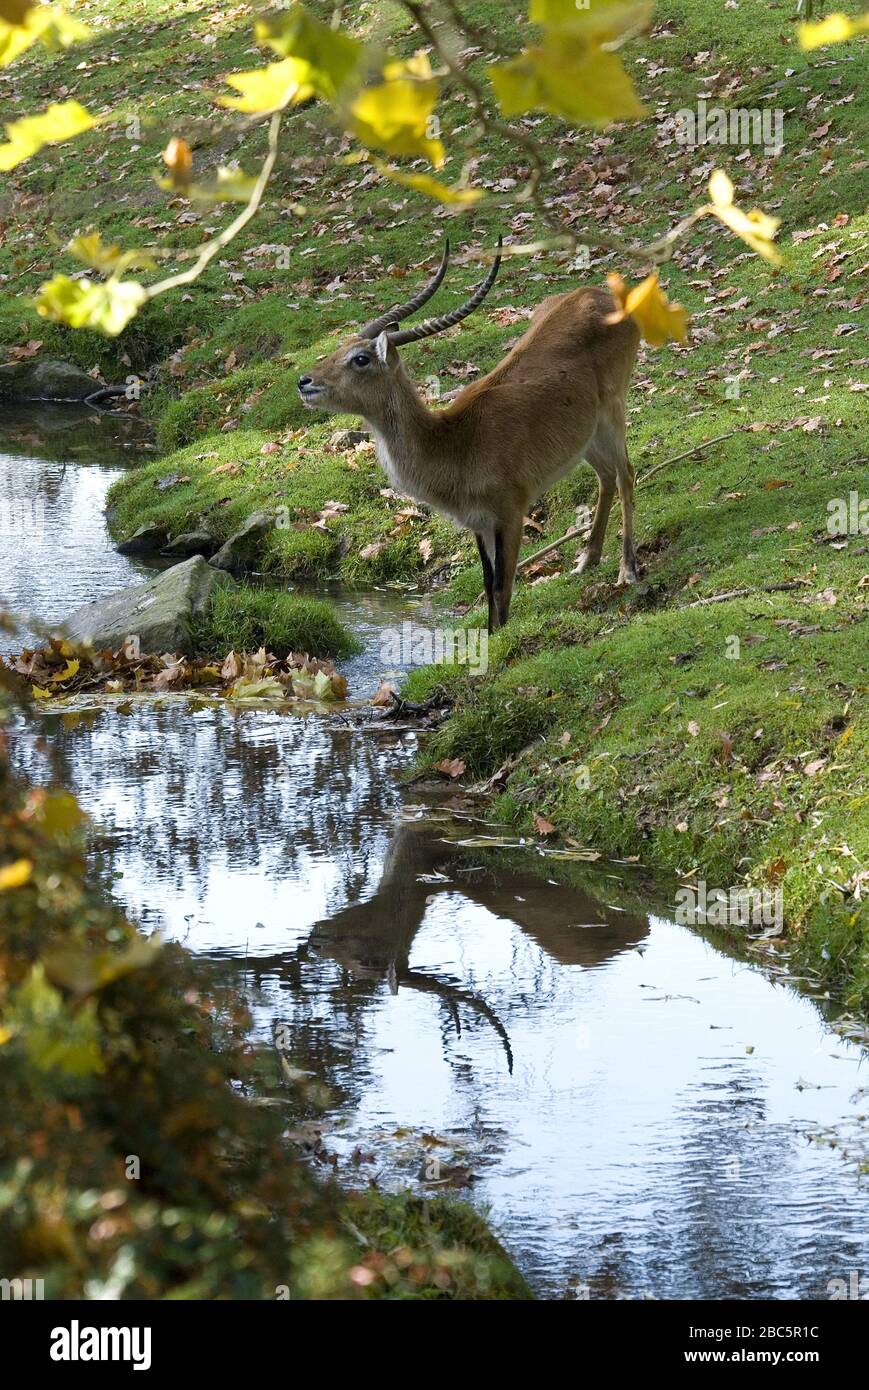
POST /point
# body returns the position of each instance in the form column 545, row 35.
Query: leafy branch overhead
column 571, row 68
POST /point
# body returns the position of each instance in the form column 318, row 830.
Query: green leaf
column 231, row 185
column 267, row 688
column 107, row 308
column 567, row 77
column 271, row 88
column 431, row 188
column 334, row 59
column 84, row 972
column 56, row 1037
column 58, row 122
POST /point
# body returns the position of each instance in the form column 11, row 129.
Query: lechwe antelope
column 557, row 397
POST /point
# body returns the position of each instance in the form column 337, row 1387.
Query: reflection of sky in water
column 638, row 1146
column 53, row 545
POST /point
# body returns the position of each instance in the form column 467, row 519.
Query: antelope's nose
column 305, row 382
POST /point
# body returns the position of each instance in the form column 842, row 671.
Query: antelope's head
column 358, row 378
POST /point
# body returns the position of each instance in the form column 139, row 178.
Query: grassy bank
column 725, row 740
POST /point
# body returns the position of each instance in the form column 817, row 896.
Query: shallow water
column 644, row 1114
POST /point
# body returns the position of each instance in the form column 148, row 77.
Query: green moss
column 245, row 619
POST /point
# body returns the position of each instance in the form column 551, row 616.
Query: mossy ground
column 723, row 765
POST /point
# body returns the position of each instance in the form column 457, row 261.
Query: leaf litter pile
column 64, row 669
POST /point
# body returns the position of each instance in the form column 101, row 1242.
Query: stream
column 642, row 1112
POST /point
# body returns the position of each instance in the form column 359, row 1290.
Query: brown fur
column 558, row 396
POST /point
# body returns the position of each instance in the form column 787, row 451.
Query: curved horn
column 432, row 326
column 403, row 311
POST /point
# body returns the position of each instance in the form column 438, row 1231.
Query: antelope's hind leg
column 608, row 455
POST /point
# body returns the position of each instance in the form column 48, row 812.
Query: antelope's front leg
column 488, row 578
column 508, row 539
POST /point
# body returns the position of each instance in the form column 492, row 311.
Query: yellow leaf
column 13, row 11
column 432, row 188
column 70, row 670
column 45, row 24
column 16, row 875
column 756, row 228
column 178, row 158
column 40, row 694
column 107, row 307
column 396, row 116
column 271, row 88
column 82, row 971
column 60, row 814
column 603, row 20
column 568, row 77
column 333, row 58
column 268, row 688
column 230, row 185
column 109, row 259
column 836, row 28
column 58, row 122
column 659, row 321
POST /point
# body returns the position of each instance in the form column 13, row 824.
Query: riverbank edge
column 827, row 933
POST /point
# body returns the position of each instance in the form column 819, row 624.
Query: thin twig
column 783, row 588
column 665, row 463
column 211, row 248
column 584, row 530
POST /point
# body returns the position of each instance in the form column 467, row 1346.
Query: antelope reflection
column 373, row 939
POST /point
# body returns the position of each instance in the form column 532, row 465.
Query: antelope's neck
column 410, row 445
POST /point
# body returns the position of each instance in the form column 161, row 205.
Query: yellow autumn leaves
column 574, row 71
column 756, row 228
column 59, row 121
column 22, row 24
column 15, row 875
column 660, row 321
column 836, row 28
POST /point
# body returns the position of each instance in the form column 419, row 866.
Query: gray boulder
column 148, row 540
column 191, row 543
column 45, row 379
column 160, row 612
column 242, row 551
column 348, row 439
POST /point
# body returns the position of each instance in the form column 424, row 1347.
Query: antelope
column 556, row 398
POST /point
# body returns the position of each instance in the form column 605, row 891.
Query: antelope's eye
column 362, row 359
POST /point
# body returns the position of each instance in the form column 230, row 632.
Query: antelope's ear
column 381, row 347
